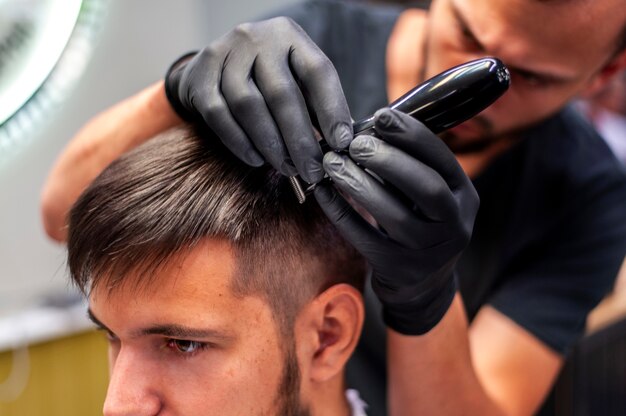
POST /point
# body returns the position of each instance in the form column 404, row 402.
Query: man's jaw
column 471, row 136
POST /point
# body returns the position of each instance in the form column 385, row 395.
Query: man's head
column 220, row 293
column 555, row 50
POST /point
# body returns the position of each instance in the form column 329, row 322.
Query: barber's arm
column 494, row 367
column 426, row 209
column 103, row 139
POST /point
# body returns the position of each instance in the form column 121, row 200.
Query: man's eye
column 184, row 346
column 469, row 40
column 110, row 336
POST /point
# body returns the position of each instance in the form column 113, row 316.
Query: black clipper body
column 442, row 102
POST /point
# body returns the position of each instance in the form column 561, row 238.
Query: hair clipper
column 441, row 102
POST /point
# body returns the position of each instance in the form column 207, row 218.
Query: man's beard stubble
column 288, row 394
column 462, row 145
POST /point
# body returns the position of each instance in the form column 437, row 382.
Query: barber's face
column 553, row 49
column 187, row 346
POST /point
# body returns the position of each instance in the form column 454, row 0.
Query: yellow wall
column 68, row 377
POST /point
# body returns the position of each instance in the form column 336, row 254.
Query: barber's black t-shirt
column 551, row 230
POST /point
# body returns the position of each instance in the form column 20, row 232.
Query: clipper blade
column 297, row 189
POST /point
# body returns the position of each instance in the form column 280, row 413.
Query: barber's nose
column 131, row 391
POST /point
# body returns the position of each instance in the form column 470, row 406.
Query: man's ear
column 606, row 73
column 332, row 323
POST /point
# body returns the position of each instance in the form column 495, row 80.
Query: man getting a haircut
column 219, row 293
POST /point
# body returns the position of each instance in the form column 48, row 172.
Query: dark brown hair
column 184, row 186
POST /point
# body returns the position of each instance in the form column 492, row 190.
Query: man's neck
column 329, row 399
column 475, row 162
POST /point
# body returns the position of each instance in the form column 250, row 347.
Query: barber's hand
column 252, row 87
column 425, row 211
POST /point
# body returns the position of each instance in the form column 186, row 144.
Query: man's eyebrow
column 184, row 332
column 544, row 77
column 465, row 26
column 96, row 321
column 170, row 330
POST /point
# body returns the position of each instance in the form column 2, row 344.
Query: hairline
column 141, row 278
column 295, row 239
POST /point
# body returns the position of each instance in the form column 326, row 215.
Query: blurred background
column 90, row 54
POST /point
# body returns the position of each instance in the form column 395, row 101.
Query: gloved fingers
column 323, row 92
column 172, row 86
column 248, row 108
column 287, row 107
column 418, row 182
column 399, row 221
column 352, row 226
column 408, row 134
column 206, row 70
column 469, row 202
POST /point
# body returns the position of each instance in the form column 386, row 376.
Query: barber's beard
column 482, row 136
column 288, row 395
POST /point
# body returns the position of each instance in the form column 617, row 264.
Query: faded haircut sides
column 183, row 186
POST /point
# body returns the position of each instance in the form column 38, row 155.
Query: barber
column 259, row 87
column 413, row 260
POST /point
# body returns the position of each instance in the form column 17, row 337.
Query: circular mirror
column 44, row 45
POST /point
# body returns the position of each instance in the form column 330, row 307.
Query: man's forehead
column 191, row 289
column 206, row 267
column 548, row 30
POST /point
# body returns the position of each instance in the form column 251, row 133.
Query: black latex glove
column 425, row 209
column 252, row 88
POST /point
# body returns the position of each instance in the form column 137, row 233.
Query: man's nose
column 131, row 391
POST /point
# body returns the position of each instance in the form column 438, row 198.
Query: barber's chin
column 457, row 138
column 467, row 137
column 467, row 131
